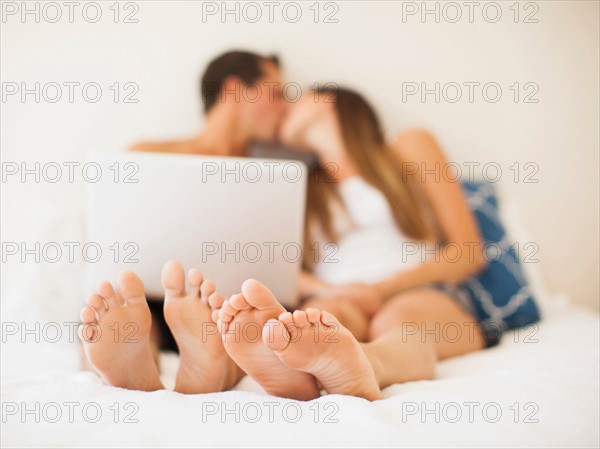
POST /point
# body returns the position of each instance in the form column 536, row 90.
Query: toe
column 300, row 318
column 239, row 302
column 131, row 288
column 215, row 315
column 215, row 301
column 292, row 329
column 275, row 336
column 96, row 302
column 88, row 332
column 173, row 279
column 223, row 317
column 258, row 295
column 228, row 309
column 328, row 319
column 313, row 315
column 223, row 329
column 88, row 315
column 286, row 318
column 208, row 288
column 195, row 280
column 107, row 292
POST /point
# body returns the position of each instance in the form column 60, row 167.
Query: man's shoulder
column 171, row 146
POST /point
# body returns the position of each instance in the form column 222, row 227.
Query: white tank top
column 371, row 247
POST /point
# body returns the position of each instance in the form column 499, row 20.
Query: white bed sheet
column 552, row 375
column 551, row 372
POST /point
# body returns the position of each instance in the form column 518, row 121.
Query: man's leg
column 116, row 335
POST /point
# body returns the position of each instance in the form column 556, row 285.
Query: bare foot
column 116, row 335
column 315, row 342
column 204, row 366
column 241, row 320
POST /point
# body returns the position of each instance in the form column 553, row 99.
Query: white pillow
column 511, row 219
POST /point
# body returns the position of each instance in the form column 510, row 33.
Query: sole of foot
column 241, row 320
column 204, row 365
column 115, row 332
column 315, row 342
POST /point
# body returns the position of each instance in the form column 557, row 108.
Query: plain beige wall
column 371, row 48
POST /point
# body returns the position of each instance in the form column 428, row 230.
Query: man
column 243, row 101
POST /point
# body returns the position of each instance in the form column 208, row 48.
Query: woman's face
column 300, row 119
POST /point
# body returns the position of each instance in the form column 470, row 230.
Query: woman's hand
column 311, row 285
column 364, row 296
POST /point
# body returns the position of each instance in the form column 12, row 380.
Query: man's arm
column 180, row 146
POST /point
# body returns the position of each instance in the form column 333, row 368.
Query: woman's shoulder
column 417, row 144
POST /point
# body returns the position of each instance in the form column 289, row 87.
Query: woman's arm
column 310, row 285
column 420, row 151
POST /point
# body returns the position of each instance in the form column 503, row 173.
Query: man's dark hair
column 242, row 64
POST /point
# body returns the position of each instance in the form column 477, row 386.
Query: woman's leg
column 415, row 329
column 349, row 315
column 411, row 332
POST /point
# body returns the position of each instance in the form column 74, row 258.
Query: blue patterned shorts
column 491, row 330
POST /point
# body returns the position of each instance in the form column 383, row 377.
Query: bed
column 538, row 388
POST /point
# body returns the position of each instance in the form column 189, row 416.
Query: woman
column 400, row 307
column 366, row 287
column 379, row 203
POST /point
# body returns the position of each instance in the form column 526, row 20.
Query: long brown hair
column 377, row 164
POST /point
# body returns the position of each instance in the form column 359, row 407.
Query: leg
column 414, row 330
column 350, row 316
column 406, row 343
column 116, row 335
column 204, row 365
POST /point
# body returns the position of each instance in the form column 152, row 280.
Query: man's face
column 263, row 105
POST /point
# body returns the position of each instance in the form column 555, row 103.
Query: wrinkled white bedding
column 539, row 387
column 545, row 378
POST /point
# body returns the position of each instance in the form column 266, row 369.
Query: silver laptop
column 232, row 218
